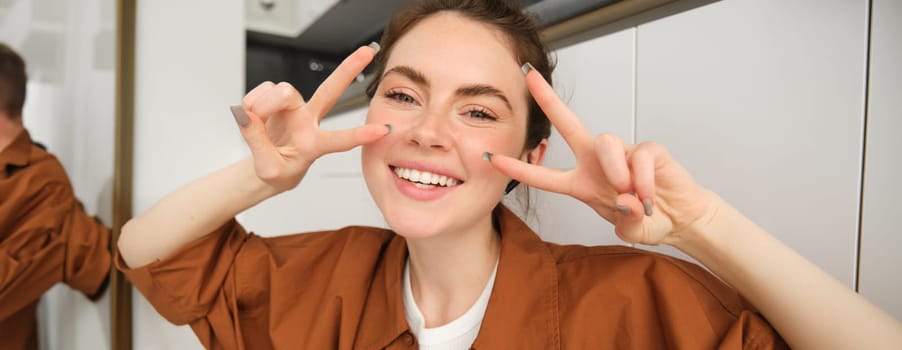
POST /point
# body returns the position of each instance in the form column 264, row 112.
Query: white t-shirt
column 457, row 334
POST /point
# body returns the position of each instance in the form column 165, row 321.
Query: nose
column 431, row 131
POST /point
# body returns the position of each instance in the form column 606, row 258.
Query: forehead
column 451, row 48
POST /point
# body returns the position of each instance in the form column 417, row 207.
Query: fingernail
column 526, row 67
column 388, row 126
column 487, row 156
column 240, row 116
column 375, row 46
column 648, row 206
column 625, row 210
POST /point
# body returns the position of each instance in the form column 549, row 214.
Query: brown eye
column 481, row 114
column 400, row 97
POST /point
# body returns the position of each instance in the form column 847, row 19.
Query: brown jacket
column 45, row 238
column 342, row 290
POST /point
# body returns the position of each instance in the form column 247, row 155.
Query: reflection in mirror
column 46, row 237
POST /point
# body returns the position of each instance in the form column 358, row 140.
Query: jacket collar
column 523, row 308
column 516, row 314
column 383, row 318
column 17, row 154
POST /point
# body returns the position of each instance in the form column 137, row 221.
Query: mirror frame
column 120, row 288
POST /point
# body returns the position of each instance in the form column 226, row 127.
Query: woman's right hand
column 282, row 130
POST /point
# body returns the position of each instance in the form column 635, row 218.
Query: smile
column 424, row 179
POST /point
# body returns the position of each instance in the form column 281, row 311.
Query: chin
column 411, row 223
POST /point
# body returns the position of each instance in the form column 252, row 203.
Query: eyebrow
column 408, row 73
column 480, row 89
column 468, row 91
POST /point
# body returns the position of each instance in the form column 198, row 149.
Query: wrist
column 251, row 185
column 703, row 231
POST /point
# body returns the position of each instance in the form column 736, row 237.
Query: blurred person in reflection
column 461, row 107
column 45, row 235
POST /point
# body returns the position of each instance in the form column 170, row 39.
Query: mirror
column 71, row 59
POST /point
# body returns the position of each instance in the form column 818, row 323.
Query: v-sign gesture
column 283, row 131
column 639, row 188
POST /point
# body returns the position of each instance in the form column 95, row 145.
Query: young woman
column 460, row 107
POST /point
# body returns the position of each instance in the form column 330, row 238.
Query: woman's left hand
column 648, row 196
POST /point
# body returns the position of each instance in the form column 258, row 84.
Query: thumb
column 629, row 226
column 343, row 140
column 254, row 133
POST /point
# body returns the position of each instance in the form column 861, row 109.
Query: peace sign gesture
column 639, row 188
column 282, row 130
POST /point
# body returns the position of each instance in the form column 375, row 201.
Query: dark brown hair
column 12, row 81
column 520, row 28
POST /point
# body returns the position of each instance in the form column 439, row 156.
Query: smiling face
column 452, row 90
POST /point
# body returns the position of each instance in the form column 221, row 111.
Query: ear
column 536, row 155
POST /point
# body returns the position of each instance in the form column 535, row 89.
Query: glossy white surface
column 763, row 102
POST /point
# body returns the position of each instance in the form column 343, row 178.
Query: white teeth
column 425, row 179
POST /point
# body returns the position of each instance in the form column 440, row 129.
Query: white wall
column 763, row 101
column 69, row 51
column 880, row 279
column 189, row 69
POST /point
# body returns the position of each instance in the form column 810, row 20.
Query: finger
column 254, row 133
column 643, row 165
column 279, row 98
column 612, row 157
column 537, row 176
column 343, row 140
column 629, row 225
column 334, row 86
column 563, row 119
column 255, row 93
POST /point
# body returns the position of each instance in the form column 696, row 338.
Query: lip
column 421, row 194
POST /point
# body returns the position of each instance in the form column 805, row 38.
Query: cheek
column 400, row 120
column 472, row 145
column 373, row 152
column 374, row 114
column 499, row 140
